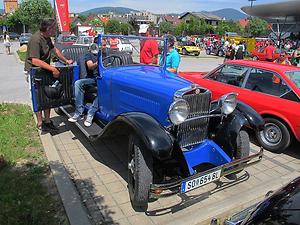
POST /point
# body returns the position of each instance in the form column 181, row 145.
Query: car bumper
column 171, row 188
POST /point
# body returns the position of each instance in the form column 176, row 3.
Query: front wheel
column 275, row 136
column 184, row 52
column 243, row 145
column 139, row 174
column 221, row 53
column 208, row 52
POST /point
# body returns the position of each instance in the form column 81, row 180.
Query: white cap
column 94, row 48
column 143, row 28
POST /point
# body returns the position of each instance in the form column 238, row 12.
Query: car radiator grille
column 195, row 131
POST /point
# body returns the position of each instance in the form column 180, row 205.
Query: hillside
column 103, row 10
column 229, row 14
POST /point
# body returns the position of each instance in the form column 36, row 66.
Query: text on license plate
column 200, row 181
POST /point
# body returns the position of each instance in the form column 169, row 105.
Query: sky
column 162, row 6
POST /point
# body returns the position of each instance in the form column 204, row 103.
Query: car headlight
column 228, row 103
column 179, row 111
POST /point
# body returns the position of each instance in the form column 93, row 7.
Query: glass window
column 230, row 74
column 294, row 77
column 266, row 82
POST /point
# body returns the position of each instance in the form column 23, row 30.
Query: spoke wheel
column 275, row 136
column 139, row 174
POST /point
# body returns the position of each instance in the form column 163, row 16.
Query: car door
column 267, row 92
column 49, row 92
column 226, row 79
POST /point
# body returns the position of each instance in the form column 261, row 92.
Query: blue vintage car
column 178, row 139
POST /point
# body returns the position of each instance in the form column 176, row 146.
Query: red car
column 258, row 54
column 273, row 90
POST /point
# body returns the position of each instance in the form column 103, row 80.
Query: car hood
column 151, row 77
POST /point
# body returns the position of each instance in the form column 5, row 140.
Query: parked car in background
column 280, row 207
column 84, row 41
column 24, row 38
column 258, row 54
column 187, row 48
column 14, row 36
column 125, row 46
column 66, row 39
column 215, row 49
column 179, row 140
column 273, row 90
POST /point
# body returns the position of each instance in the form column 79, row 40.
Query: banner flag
column 62, row 15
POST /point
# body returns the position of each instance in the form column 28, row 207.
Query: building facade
column 10, row 6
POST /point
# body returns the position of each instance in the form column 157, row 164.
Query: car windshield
column 294, row 77
column 26, row 35
column 135, row 52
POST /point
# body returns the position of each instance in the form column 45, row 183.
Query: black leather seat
column 74, row 52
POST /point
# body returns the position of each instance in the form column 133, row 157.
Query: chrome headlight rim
column 228, row 103
column 178, row 117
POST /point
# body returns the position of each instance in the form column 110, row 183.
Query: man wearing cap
column 90, row 62
column 149, row 48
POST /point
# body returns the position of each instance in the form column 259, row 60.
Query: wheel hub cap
column 272, row 134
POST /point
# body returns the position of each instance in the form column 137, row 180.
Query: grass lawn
column 27, row 192
column 22, row 55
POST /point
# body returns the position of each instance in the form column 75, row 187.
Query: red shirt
column 113, row 42
column 269, row 52
column 149, row 48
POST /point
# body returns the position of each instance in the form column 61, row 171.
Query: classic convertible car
column 186, row 48
column 179, row 139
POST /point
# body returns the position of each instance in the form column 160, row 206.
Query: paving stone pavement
column 100, row 174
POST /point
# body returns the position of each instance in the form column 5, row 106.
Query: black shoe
column 49, row 126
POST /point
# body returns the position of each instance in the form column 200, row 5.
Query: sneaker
column 89, row 121
column 75, row 118
column 49, row 126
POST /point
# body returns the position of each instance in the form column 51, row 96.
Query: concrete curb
column 71, row 200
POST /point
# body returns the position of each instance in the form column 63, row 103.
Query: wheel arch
column 153, row 136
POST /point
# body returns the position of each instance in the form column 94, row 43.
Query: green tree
column 223, row 27
column 96, row 22
column 31, row 12
column 125, row 28
column 256, row 27
column 134, row 24
column 113, row 26
column 82, row 18
column 166, row 27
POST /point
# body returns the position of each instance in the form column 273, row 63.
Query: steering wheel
column 111, row 59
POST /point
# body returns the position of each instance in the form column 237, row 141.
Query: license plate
column 200, row 181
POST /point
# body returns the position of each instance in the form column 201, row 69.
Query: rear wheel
column 139, row 174
column 197, row 53
column 184, row 52
column 208, row 52
column 275, row 136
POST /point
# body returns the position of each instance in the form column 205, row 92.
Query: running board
column 91, row 132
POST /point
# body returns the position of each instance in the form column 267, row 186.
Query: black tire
column 184, row 52
column 197, row 53
column 275, row 137
column 140, row 174
column 255, row 58
column 243, row 145
column 59, row 111
column 208, row 52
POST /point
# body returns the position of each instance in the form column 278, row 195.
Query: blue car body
column 135, row 100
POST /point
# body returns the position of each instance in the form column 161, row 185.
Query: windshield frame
column 101, row 36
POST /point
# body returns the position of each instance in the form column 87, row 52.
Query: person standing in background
column 149, row 48
column 269, row 51
column 6, row 41
column 173, row 57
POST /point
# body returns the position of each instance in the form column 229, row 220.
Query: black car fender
column 255, row 120
column 227, row 131
column 151, row 133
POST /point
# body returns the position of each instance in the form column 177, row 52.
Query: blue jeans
column 79, row 97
